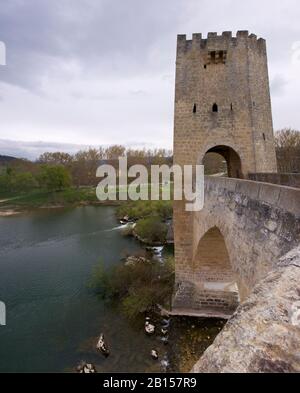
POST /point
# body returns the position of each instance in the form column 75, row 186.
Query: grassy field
column 39, row 198
column 74, row 196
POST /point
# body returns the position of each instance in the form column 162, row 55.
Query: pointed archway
column 230, row 165
column 214, row 277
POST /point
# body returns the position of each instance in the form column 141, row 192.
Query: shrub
column 151, row 229
column 139, row 287
column 142, row 209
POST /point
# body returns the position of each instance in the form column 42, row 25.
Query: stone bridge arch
column 215, row 278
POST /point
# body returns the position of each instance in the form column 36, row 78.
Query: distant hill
column 6, row 159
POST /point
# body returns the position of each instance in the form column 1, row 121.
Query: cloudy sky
column 91, row 72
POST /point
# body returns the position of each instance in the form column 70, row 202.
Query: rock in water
column 165, row 340
column 154, row 354
column 86, row 368
column 149, row 328
column 165, row 364
column 102, row 346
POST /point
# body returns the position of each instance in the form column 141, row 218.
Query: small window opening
column 231, row 107
column 213, row 56
column 264, row 136
column 194, row 108
column 215, row 108
column 205, row 66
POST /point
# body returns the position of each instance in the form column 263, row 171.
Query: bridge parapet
column 276, row 196
column 284, row 179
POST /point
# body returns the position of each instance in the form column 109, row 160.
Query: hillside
column 5, row 159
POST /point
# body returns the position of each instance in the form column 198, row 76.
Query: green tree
column 23, row 182
column 17, row 182
column 54, row 177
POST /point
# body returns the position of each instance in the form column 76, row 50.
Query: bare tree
column 287, row 143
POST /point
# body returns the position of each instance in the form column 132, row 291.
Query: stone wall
column 259, row 222
column 284, row 179
column 264, row 333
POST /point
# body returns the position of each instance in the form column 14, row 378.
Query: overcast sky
column 92, row 72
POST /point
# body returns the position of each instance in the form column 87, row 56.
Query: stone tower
column 222, row 102
column 222, row 105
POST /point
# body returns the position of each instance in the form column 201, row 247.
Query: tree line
column 54, row 171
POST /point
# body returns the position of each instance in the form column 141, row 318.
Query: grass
column 40, row 198
column 73, row 196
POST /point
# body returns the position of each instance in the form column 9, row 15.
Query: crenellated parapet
column 220, row 42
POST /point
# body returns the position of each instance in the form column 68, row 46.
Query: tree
column 85, row 165
column 17, row 182
column 23, row 182
column 54, row 177
column 56, row 158
column 115, row 151
column 287, row 143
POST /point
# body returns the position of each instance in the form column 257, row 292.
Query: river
column 53, row 319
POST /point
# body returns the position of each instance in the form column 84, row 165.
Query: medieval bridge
column 239, row 257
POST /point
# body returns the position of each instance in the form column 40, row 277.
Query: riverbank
column 73, row 197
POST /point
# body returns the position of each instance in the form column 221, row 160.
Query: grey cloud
column 32, row 150
column 277, row 84
column 101, row 36
column 102, row 71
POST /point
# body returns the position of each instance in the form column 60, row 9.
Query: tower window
column 231, row 107
column 217, row 57
column 215, row 108
column 194, row 108
column 264, row 136
column 205, row 66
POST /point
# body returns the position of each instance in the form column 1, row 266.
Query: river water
column 54, row 319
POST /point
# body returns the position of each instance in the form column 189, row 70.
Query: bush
column 142, row 209
column 151, row 230
column 139, row 287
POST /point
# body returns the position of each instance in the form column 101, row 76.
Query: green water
column 53, row 319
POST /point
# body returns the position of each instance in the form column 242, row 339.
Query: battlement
column 221, row 42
